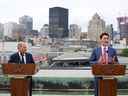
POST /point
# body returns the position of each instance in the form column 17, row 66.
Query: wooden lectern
column 108, row 84
column 18, row 74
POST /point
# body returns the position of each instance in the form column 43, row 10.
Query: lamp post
column 111, row 26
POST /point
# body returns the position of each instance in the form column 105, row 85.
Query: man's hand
column 101, row 61
column 37, row 68
column 114, row 61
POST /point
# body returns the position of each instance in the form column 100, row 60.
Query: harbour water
column 8, row 94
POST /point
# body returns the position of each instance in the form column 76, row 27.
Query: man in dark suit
column 104, row 54
column 23, row 57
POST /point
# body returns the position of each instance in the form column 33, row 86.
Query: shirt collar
column 104, row 47
column 21, row 54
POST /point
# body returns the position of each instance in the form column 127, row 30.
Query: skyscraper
column 58, row 22
column 27, row 21
column 1, row 31
column 96, row 27
column 74, row 31
column 44, row 32
column 123, row 27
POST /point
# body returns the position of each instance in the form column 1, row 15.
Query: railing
column 69, row 76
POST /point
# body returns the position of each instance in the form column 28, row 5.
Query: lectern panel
column 19, row 69
column 19, row 87
column 108, row 87
column 107, row 70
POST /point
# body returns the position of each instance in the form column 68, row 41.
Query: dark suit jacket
column 97, row 53
column 15, row 58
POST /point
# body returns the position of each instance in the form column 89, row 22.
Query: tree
column 125, row 52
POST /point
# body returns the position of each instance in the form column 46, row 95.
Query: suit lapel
column 17, row 57
column 99, row 52
column 109, row 51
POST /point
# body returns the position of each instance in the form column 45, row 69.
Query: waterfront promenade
column 53, row 95
column 62, row 73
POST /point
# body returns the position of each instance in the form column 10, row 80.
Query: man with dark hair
column 104, row 54
column 23, row 57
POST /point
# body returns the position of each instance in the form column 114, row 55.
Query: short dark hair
column 104, row 33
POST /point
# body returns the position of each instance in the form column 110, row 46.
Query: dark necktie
column 22, row 59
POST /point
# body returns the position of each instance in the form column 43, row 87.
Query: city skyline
column 80, row 11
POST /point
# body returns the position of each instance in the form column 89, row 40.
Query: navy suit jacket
column 15, row 58
column 97, row 53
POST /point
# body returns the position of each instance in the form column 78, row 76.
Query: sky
column 80, row 11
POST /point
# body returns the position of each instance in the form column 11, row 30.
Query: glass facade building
column 58, row 22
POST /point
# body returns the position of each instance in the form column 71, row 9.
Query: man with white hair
column 23, row 57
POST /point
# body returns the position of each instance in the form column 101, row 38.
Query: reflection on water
column 63, row 93
column 83, row 93
column 56, row 93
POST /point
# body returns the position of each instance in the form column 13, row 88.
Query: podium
column 19, row 84
column 107, row 86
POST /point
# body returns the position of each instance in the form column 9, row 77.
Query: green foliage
column 125, row 52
